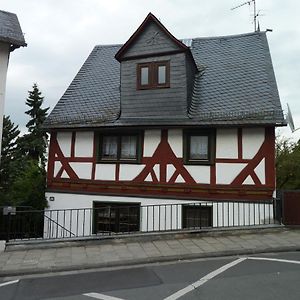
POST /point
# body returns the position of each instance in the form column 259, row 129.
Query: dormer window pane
column 144, row 75
column 153, row 75
column 162, row 74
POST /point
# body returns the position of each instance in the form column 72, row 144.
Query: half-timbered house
column 160, row 120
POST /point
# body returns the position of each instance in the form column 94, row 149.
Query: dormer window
column 153, row 75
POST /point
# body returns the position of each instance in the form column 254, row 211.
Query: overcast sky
column 61, row 33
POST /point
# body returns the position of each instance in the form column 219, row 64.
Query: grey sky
column 61, row 34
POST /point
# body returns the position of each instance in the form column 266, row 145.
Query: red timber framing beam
column 267, row 152
column 179, row 190
column 160, row 186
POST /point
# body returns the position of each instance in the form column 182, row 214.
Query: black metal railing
column 113, row 219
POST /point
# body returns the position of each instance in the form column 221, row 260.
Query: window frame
column 119, row 136
column 117, row 207
column 211, row 152
column 197, row 214
column 153, row 75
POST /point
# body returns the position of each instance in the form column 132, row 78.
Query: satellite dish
column 289, row 119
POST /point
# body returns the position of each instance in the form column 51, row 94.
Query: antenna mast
column 255, row 15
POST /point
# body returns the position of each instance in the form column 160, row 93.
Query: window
column 196, row 216
column 199, row 147
column 153, row 75
column 119, row 147
column 116, row 217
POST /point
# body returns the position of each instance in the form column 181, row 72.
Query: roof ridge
column 229, row 36
column 108, row 45
column 7, row 12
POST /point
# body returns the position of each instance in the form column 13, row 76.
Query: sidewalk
column 121, row 252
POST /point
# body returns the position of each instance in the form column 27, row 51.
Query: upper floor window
column 153, row 75
column 199, row 146
column 119, row 147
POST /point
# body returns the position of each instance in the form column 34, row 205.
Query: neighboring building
column 11, row 37
column 160, row 120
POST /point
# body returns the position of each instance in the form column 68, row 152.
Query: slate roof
column 235, row 86
column 10, row 29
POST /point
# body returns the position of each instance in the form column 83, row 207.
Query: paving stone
column 210, row 240
column 14, row 261
column 11, row 267
column 118, row 251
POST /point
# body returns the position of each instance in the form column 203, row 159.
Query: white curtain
column 128, row 147
column 199, row 147
column 110, row 147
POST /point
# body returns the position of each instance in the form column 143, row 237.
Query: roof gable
column 150, row 38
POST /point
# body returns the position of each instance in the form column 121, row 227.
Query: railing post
column 8, row 226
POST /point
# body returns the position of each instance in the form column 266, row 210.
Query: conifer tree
column 34, row 143
column 8, row 156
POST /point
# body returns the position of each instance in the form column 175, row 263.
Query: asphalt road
column 268, row 276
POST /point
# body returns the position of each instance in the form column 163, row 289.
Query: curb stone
column 118, row 239
column 2, row 246
column 141, row 261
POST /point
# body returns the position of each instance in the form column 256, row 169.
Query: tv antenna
column 255, row 14
column 289, row 120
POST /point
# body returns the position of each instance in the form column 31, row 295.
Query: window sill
column 199, row 162
column 123, row 161
column 157, row 87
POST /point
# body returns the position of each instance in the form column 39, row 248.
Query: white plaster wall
column 175, row 141
column 248, row 180
column 57, row 167
column 62, row 222
column 105, row 172
column 227, row 143
column 64, row 139
column 260, row 171
column 70, row 223
column 201, row 174
column 84, row 144
column 252, row 140
column 227, row 172
column 241, row 214
column 170, row 171
column 4, row 57
column 129, row 171
column 82, row 170
column 151, row 141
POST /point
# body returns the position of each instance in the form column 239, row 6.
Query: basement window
column 153, row 75
column 196, row 216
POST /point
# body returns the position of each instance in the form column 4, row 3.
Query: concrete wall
column 155, row 214
column 4, row 57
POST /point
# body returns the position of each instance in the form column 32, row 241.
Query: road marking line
column 204, row 279
column 275, row 259
column 101, row 296
column 9, row 282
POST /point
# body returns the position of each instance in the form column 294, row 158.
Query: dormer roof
column 153, row 40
